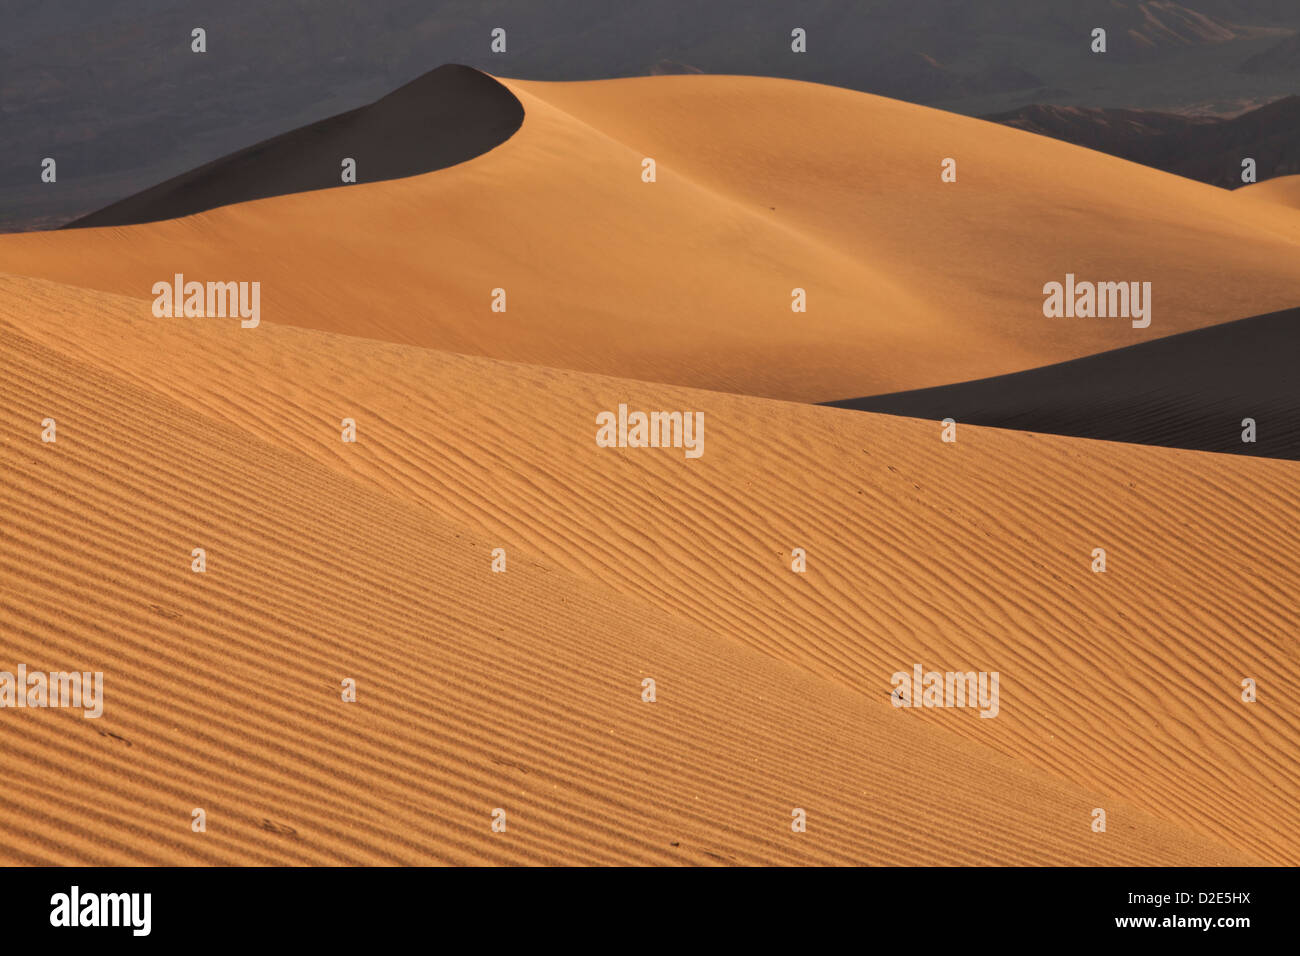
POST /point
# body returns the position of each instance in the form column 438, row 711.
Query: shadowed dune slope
column 1119, row 690
column 445, row 117
column 763, row 186
column 1191, row 390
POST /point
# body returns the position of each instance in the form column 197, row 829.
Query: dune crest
column 447, row 116
column 1283, row 190
column 763, row 187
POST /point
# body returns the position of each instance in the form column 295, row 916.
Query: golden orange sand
column 1283, row 190
column 763, row 186
column 522, row 690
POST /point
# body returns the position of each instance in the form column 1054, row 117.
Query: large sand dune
column 521, row 690
column 476, row 430
column 1192, row 390
column 763, row 186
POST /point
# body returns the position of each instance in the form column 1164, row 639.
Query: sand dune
column 476, row 428
column 521, row 690
column 1191, row 390
column 447, row 116
column 763, row 186
column 1284, row 190
column 862, row 173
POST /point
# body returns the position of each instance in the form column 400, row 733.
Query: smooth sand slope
column 445, row 117
column 762, row 186
column 522, row 690
column 1284, row 190
column 1191, row 390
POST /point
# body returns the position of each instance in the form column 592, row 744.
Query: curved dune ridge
column 447, row 116
column 763, row 186
column 1192, row 390
column 1284, row 190
column 522, row 690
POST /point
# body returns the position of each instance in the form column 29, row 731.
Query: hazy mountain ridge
column 1206, row 148
column 123, row 103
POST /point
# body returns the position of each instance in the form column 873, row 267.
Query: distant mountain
column 1284, row 57
column 1161, row 23
column 1205, row 148
column 123, row 103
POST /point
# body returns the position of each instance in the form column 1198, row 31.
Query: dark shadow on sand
column 1189, row 390
column 445, row 117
